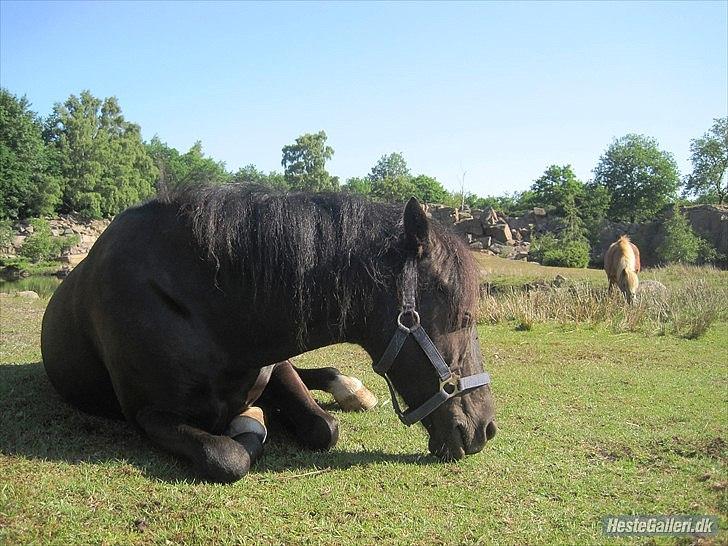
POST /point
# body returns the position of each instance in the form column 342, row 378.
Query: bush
column 549, row 250
column 6, row 233
column 39, row 246
column 42, row 245
column 682, row 245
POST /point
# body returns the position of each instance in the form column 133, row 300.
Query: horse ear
column 416, row 227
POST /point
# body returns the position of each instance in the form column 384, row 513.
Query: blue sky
column 500, row 90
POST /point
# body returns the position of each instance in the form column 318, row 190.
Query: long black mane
column 316, row 247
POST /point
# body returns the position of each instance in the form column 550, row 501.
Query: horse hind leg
column 215, row 458
column 348, row 391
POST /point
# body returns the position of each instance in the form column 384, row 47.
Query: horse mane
column 317, row 247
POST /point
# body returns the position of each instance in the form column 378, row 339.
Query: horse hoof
column 250, row 421
column 352, row 395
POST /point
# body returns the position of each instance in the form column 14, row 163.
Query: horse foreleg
column 289, row 397
column 348, row 391
column 216, row 458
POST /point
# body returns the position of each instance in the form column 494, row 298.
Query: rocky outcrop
column 84, row 232
column 708, row 221
column 488, row 230
column 491, row 232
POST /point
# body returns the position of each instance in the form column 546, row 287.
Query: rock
column 444, row 215
column 469, row 226
column 711, row 223
column 500, row 232
column 477, row 245
column 538, row 211
column 28, row 294
column 489, row 217
column 652, row 288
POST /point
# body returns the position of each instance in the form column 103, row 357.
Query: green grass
column 591, row 423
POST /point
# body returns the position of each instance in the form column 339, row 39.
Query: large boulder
column 500, row 232
column 469, row 225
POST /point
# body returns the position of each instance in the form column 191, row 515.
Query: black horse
column 185, row 310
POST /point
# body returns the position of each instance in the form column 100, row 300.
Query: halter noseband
column 451, row 384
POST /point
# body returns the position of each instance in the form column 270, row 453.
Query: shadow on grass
column 36, row 423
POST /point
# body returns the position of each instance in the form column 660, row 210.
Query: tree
column 250, row 174
column 557, row 188
column 27, row 186
column 304, row 163
column 709, row 155
column 390, row 166
column 397, row 189
column 429, row 189
column 640, row 178
column 362, row 186
column 390, row 179
column 177, row 169
column 101, row 160
column 681, row 244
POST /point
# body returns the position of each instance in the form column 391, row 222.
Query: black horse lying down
column 184, row 313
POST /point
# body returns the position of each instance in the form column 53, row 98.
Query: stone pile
column 86, row 232
column 490, row 231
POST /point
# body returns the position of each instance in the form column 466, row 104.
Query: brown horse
column 622, row 263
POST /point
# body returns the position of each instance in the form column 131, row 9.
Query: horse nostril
column 490, row 430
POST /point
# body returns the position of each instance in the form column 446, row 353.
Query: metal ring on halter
column 415, row 320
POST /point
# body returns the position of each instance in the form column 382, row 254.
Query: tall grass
column 685, row 310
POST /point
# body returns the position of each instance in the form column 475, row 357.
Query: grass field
column 591, row 423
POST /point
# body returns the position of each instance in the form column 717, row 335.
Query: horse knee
column 225, row 460
column 214, row 458
column 322, row 434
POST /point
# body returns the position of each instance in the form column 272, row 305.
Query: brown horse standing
column 622, row 263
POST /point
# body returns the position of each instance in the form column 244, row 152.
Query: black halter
column 451, row 384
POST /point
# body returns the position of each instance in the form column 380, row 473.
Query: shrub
column 682, row 245
column 549, row 250
column 42, row 245
column 6, row 233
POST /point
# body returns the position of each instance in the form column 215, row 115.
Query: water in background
column 43, row 285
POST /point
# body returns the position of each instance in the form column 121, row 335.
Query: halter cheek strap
column 451, row 384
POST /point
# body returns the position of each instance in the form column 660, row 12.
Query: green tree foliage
column 27, row 187
column 681, row 244
column 362, row 186
column 250, row 174
column 709, row 155
column 582, row 206
column 102, row 162
column 304, row 163
column 397, row 189
column 391, row 180
column 428, row 189
column 640, row 178
column 390, row 166
column 177, row 169
column 557, row 189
